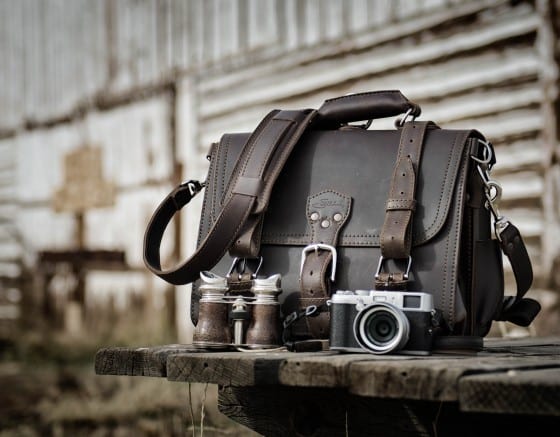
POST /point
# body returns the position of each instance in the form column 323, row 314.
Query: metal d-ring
column 235, row 267
column 380, row 266
column 407, row 114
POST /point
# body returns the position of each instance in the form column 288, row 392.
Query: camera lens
column 381, row 328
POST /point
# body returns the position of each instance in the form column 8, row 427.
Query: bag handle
column 364, row 106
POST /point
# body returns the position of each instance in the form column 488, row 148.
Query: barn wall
column 154, row 83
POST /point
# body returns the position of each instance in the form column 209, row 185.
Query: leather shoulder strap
column 248, row 193
column 396, row 233
column 518, row 309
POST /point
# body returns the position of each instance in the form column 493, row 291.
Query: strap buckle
column 380, row 266
column 316, row 247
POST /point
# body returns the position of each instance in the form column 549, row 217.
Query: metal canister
column 212, row 329
column 264, row 329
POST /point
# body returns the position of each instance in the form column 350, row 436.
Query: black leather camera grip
column 364, row 106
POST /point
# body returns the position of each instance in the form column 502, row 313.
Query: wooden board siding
column 62, row 57
column 154, row 83
column 483, row 72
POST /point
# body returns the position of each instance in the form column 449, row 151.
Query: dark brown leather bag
column 331, row 206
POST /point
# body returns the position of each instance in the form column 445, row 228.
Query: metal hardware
column 487, row 155
column 193, row 186
column 380, row 266
column 316, row 247
column 492, row 189
column 239, row 316
column 311, row 310
column 240, row 271
column 402, row 121
column 364, row 126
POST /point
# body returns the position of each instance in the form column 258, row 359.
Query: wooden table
column 511, row 387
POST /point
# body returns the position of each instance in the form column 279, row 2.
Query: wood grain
column 281, row 411
column 324, row 371
column 231, row 368
column 434, row 379
column 501, row 390
column 513, row 391
column 143, row 361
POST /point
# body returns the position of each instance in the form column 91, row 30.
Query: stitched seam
column 458, row 219
column 223, row 173
column 208, row 198
column 427, row 233
column 336, row 226
column 286, row 151
column 254, row 145
column 248, row 148
column 227, row 246
column 271, row 150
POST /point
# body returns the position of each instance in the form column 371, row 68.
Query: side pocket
column 487, row 285
column 206, row 219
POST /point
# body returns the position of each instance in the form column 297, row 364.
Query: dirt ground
column 59, row 394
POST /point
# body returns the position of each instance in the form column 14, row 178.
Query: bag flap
column 357, row 163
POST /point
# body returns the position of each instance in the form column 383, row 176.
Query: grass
column 49, row 388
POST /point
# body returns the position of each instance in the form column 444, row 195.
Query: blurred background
column 106, row 105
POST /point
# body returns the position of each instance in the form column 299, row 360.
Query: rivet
column 337, row 217
column 314, row 216
column 325, row 223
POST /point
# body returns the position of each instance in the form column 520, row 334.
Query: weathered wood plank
column 432, row 379
column 324, row 371
column 513, row 391
column 523, row 346
column 144, row 361
column 333, row 11
column 331, row 73
column 230, row 368
column 282, row 411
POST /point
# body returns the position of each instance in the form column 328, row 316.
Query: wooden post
column 549, row 51
column 84, row 188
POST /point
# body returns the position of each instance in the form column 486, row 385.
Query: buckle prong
column 316, row 247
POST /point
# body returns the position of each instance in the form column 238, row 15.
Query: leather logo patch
column 324, row 203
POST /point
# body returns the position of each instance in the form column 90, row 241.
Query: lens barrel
column 381, row 328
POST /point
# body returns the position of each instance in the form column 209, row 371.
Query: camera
column 381, row 322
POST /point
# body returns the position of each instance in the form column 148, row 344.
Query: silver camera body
column 382, row 322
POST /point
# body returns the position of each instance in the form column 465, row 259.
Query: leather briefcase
column 332, row 205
